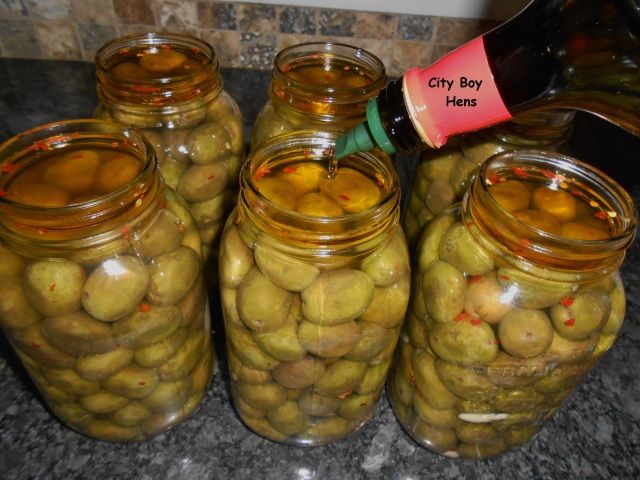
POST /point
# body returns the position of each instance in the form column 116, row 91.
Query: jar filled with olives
column 318, row 86
column 315, row 281
column 442, row 176
column 101, row 280
column 168, row 86
column 516, row 294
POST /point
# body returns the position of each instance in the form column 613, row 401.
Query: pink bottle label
column 454, row 95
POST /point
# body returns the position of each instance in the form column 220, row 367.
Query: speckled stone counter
column 595, row 435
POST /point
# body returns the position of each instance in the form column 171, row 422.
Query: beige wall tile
column 408, row 53
column 58, row 40
column 376, row 25
column 177, row 14
column 99, row 12
column 226, row 44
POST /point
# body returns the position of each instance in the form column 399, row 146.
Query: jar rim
column 571, row 175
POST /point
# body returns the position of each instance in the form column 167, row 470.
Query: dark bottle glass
column 553, row 54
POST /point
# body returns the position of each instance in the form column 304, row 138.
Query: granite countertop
column 595, row 435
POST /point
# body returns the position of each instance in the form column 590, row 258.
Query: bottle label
column 454, row 95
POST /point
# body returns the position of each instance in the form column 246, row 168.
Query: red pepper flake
column 518, row 251
column 181, row 227
column 2, row 192
column 211, row 177
column 114, row 144
column 9, row 167
column 379, row 179
column 601, row 215
column 145, row 88
column 519, row 171
column 125, row 232
column 306, row 153
column 493, row 179
column 578, row 44
column 462, row 316
column 475, row 279
column 503, row 277
column 548, row 174
column 261, row 172
column 35, row 345
column 195, row 50
column 289, row 169
column 77, row 156
column 145, row 307
column 141, row 383
column 493, row 341
column 52, row 287
column 469, row 224
column 124, row 51
column 567, row 301
column 166, row 46
column 570, row 322
column 163, row 205
column 525, row 242
column 39, row 146
column 344, row 197
column 475, row 322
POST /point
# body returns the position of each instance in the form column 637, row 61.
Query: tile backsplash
column 245, row 35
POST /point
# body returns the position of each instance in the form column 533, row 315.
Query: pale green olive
column 328, row 429
column 337, row 296
column 201, row 182
column 245, row 347
column 518, row 435
column 236, row 259
column 201, row 373
column 33, row 344
column 488, row 448
column 443, row 289
column 68, row 380
column 146, row 326
column 462, row 175
column 106, row 430
column 262, row 427
column 132, row 414
column 212, row 210
column 473, row 433
column 428, row 383
column 389, row 304
column 246, row 410
column 388, row 264
column 54, row 286
column 185, row 358
column 400, row 388
column 282, row 343
column 438, row 439
column 174, row 143
column 103, row 402
column 439, row 196
column 342, row 376
column 616, row 313
column 460, row 249
column 416, row 331
column 172, row 275
column 429, row 242
column 373, row 379
column 283, row 270
column 233, row 124
column 562, row 378
column 264, row 396
column 358, row 407
column 562, row 350
column 485, row 299
column 329, row 341
column 508, row 371
column 15, row 310
column 313, row 403
column 11, row 264
column 517, row 399
column 464, row 382
column 73, row 414
column 465, row 341
column 78, row 334
column 163, row 235
column 438, row 164
column 208, row 142
column 168, row 396
column 262, row 305
column 132, row 382
column 115, row 288
column 583, row 315
column 288, row 418
column 300, row 373
column 223, row 105
column 530, row 291
column 525, row 333
column 172, row 170
column 435, row 417
column 244, row 373
column 373, row 339
column 103, row 365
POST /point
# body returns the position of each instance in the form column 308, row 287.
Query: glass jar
column 318, row 86
column 442, row 176
column 101, row 279
column 168, row 86
column 315, row 280
column 516, row 295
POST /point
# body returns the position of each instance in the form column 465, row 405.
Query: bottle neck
column 325, row 83
column 526, row 247
column 101, row 220
column 548, row 129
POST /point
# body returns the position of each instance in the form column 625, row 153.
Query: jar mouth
column 523, row 241
column 163, row 91
column 321, row 231
column 55, row 222
column 327, row 55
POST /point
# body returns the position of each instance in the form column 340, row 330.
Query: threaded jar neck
column 527, row 247
column 326, row 82
column 95, row 221
column 540, row 129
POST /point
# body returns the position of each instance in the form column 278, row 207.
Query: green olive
column 101, row 366
column 562, row 378
column 462, row 175
column 223, row 105
column 417, row 304
column 440, row 195
column 508, row 371
column 532, row 291
column 464, row 382
column 262, row 305
column 400, row 388
column 173, row 141
column 132, row 382
column 245, row 347
column 443, row 289
column 106, row 430
column 488, row 448
column 616, row 313
column 341, row 377
column 11, row 264
column 201, row 373
column 389, row 304
column 146, row 326
column 33, row 344
column 245, row 410
column 438, row 164
column 300, row 373
column 201, row 182
column 525, row 333
column 562, row 350
column 208, row 142
column 233, row 124
column 416, row 331
column 103, row 402
column 172, row 275
column 168, row 396
column 519, row 435
column 283, row 270
column 115, row 288
column 15, row 310
column 194, row 303
column 434, row 416
column 172, row 170
column 337, row 296
column 185, row 358
column 583, row 315
column 78, row 334
column 288, row 418
column 329, row 341
column 388, row 264
column 428, row 383
column 50, row 392
column 282, row 343
column 54, row 286
column 132, row 414
column 373, row 379
column 313, row 403
column 517, row 399
column 465, row 341
column 475, row 433
column 358, row 407
column 213, row 210
column 439, row 439
column 460, row 249
column 244, row 373
column 373, row 339
column 73, row 414
column 69, row 381
column 264, row 396
column 163, row 235
column 328, row 429
column 158, row 353
column 236, row 259
column 485, row 299
column 429, row 242
column 262, row 427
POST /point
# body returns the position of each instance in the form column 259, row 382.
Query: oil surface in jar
column 331, row 73
column 307, row 187
column 71, row 176
column 555, row 208
column 153, row 62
